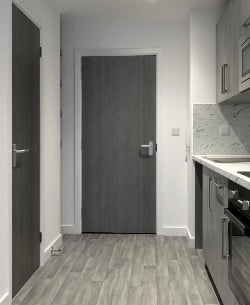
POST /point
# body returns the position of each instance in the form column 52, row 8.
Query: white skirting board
column 179, row 231
column 56, row 243
column 166, row 230
column 6, row 299
column 69, row 229
column 191, row 239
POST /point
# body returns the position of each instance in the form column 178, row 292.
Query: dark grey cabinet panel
column 228, row 35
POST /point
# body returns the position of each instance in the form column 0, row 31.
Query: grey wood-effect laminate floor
column 121, row 270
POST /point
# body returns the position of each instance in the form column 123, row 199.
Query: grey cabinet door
column 221, row 58
column 215, row 232
column 228, row 35
column 244, row 15
column 221, row 242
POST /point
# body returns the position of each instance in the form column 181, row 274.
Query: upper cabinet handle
column 225, row 78
column 222, row 79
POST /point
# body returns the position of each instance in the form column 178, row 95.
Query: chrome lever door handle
column 22, row 151
column 150, row 147
column 15, row 152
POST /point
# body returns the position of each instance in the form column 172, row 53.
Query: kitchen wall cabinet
column 215, row 232
column 244, row 15
column 228, row 34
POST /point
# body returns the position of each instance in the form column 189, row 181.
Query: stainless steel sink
column 229, row 159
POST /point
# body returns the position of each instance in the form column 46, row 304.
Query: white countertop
column 228, row 170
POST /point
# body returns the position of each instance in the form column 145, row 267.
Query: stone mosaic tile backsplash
column 207, row 120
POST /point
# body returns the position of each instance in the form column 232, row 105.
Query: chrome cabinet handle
column 219, row 186
column 225, row 246
column 15, row 152
column 150, row 147
column 212, row 184
column 222, row 79
column 225, row 78
column 210, row 195
column 224, row 88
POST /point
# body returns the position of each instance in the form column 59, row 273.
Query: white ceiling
column 111, row 10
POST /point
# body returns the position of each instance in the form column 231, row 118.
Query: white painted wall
column 172, row 38
column 49, row 21
column 202, row 87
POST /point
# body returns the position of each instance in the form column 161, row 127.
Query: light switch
column 224, row 130
column 175, row 132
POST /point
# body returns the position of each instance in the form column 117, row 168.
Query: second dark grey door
column 118, row 116
column 26, row 153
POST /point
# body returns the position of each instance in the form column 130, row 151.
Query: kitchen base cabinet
column 215, row 233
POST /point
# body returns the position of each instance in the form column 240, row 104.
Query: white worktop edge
column 225, row 170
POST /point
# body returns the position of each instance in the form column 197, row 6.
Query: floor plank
column 106, row 269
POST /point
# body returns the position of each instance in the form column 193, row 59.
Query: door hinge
column 61, row 83
column 61, row 53
column 61, row 143
column 40, row 51
column 41, row 237
column 156, row 147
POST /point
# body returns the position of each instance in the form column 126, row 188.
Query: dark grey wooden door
column 118, row 116
column 26, row 135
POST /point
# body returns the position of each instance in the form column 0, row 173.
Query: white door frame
column 78, row 124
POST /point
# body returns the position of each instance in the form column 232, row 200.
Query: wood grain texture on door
column 26, row 135
column 118, row 115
